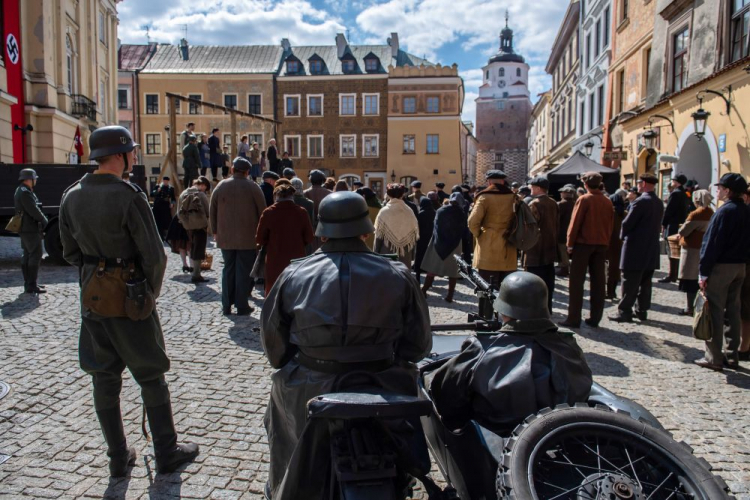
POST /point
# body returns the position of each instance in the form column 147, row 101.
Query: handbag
column 207, row 262
column 702, row 325
column 259, row 267
column 14, row 224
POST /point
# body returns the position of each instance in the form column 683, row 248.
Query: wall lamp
column 649, row 138
column 27, row 128
column 393, row 176
column 651, row 120
column 589, row 146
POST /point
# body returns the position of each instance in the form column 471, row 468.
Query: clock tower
column 503, row 112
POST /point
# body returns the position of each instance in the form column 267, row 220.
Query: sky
column 465, row 32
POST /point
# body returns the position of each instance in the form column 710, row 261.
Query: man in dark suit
column 640, row 250
column 678, row 207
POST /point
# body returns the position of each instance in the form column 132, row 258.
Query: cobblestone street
column 220, row 383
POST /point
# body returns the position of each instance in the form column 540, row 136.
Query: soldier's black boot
column 169, row 455
column 25, row 272
column 120, row 456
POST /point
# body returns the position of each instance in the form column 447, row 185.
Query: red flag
column 77, row 143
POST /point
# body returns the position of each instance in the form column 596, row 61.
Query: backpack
column 523, row 232
column 190, row 213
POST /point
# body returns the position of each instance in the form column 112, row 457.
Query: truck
column 54, row 179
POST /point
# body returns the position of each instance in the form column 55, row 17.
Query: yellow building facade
column 424, row 125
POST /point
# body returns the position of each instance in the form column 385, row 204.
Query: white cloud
column 469, row 112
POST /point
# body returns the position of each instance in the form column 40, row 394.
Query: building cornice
column 566, row 30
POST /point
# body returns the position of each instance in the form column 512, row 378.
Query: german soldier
column 32, row 229
column 107, row 230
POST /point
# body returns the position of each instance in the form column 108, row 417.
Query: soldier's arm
column 476, row 216
column 71, row 251
column 275, row 325
column 416, row 341
column 142, row 227
column 31, row 208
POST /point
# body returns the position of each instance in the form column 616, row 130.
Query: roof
column 133, row 57
column 238, row 59
column 578, row 164
column 332, row 63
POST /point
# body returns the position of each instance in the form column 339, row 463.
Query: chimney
column 184, row 50
column 393, row 42
column 285, row 44
column 341, row 44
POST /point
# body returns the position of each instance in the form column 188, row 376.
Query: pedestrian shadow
column 739, row 377
column 163, row 486
column 605, row 366
column 117, row 488
column 684, row 330
column 245, row 332
column 640, row 343
column 204, row 293
column 20, row 306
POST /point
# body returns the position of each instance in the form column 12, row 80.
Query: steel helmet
column 110, row 140
column 522, row 296
column 343, row 214
column 27, row 174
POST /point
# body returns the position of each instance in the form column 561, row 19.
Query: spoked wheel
column 586, row 453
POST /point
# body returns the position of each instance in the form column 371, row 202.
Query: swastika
column 11, row 47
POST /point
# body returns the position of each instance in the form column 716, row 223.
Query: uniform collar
column 345, row 245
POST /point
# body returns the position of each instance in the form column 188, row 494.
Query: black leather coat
column 345, row 304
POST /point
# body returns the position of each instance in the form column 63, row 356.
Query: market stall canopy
column 579, row 164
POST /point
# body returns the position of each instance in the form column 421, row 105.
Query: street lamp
column 393, row 176
column 700, row 118
column 589, row 147
column 649, row 138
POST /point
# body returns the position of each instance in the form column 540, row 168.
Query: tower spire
column 506, row 18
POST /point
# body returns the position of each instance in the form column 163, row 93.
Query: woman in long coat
column 447, row 237
column 691, row 236
column 284, row 230
column 426, row 222
column 373, row 207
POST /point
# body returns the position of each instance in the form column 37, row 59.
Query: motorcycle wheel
column 593, row 453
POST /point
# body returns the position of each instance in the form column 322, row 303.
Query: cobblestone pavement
column 220, row 383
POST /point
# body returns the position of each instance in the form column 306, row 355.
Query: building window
column 292, row 67
column 505, row 95
column 372, row 104
column 433, row 144
column 255, row 104
column 679, row 60
column 153, row 144
column 740, row 29
column 621, row 91
column 102, row 28
column 347, row 105
column 291, row 145
column 230, row 101
column 564, row 132
column 103, row 101
column 600, row 105
column 176, row 105
column 152, row 104
column 347, row 66
column 582, row 118
column 409, row 145
column 597, row 38
column 500, row 105
column 251, row 138
column 498, row 157
column 487, row 75
column 433, row 105
column 592, row 110
column 587, row 61
column 227, row 139
column 316, row 67
column 122, row 99
column 371, row 64
column 315, row 105
column 291, row 105
column 410, row 104
column 644, row 72
column 501, row 72
column 315, row 146
column 571, row 117
column 518, row 72
column 194, row 108
column 625, row 8
column 370, row 145
column 348, row 146
column 605, row 38
column 71, row 64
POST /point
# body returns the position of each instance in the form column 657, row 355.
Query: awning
column 579, row 164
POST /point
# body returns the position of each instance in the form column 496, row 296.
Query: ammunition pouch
column 115, row 292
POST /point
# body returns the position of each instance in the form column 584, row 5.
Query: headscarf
column 397, row 226
column 450, row 226
column 702, row 198
column 618, row 203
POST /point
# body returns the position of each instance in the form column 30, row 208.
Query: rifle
column 486, row 320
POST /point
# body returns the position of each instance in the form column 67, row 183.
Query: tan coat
column 236, row 206
column 490, row 217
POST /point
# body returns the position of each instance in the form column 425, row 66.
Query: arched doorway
column 699, row 159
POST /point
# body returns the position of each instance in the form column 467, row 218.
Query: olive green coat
column 25, row 201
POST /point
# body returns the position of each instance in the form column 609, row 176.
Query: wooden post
column 172, row 131
column 233, row 138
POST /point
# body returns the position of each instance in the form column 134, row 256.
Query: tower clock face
column 501, row 83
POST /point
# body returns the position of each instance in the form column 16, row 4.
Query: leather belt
column 108, row 262
column 337, row 367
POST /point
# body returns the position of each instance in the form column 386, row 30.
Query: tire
column 52, row 242
column 552, row 455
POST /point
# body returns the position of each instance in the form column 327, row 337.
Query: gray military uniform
column 103, row 216
column 31, row 233
column 346, row 305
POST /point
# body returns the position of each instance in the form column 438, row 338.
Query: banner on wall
column 14, row 70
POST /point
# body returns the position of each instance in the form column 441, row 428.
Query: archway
column 699, row 159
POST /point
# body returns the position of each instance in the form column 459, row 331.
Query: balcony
column 83, row 106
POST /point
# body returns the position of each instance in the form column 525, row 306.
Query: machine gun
column 487, row 319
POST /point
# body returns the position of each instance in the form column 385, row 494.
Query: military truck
column 54, row 179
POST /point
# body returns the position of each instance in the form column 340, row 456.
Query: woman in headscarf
column 450, row 224
column 426, row 222
column 396, row 228
column 373, row 206
column 691, row 236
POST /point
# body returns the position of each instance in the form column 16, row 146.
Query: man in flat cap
column 588, row 238
column 269, row 181
column 678, row 207
column 494, row 256
column 442, row 195
column 289, row 174
column 416, row 192
column 565, row 212
column 316, row 193
column 540, row 259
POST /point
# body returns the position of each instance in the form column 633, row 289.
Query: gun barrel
column 471, row 274
column 451, row 327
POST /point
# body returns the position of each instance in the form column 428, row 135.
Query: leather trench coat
column 322, row 306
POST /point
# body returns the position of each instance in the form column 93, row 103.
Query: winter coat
column 236, row 206
column 678, row 206
column 316, row 194
column 33, row 220
column 267, row 189
column 214, row 148
column 488, row 221
column 592, row 219
column 340, row 322
column 191, row 160
column 692, row 232
column 544, row 252
column 640, row 234
column 565, row 211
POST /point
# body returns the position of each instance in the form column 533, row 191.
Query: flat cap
column 241, row 164
column 270, row 175
column 289, row 171
column 416, row 184
column 734, row 182
column 681, row 178
column 440, row 185
column 495, row 174
column 541, row 181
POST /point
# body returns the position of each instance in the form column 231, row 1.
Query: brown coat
column 565, row 211
column 592, row 220
column 236, row 206
column 544, row 252
column 490, row 217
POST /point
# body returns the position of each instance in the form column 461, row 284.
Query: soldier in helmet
column 528, row 366
column 33, row 223
column 314, row 338
column 108, row 231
